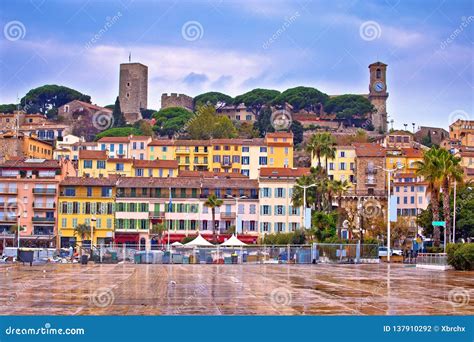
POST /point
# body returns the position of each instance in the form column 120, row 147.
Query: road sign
column 439, row 223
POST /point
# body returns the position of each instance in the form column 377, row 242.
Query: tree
column 451, row 170
column 429, row 168
column 206, row 124
column 256, row 99
column 147, row 113
column 214, row 98
column 340, row 188
column 8, row 108
column 170, row 121
column 299, row 98
column 213, row 202
column 83, row 231
column 246, row 130
column 297, row 129
column 465, row 211
column 321, row 145
column 119, row 118
column 346, row 106
column 118, row 132
column 157, row 230
column 264, row 122
column 144, row 127
column 48, row 98
column 323, row 225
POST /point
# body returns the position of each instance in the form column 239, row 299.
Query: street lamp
column 389, row 176
column 19, row 212
column 93, row 219
column 304, row 187
column 236, row 210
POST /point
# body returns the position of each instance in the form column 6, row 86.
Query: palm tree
column 83, row 231
column 340, row 188
column 213, row 202
column 431, row 170
column 321, row 145
column 451, row 170
column 157, row 230
column 15, row 229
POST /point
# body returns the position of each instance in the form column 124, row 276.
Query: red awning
column 126, row 238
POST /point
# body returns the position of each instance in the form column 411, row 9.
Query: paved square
column 127, row 289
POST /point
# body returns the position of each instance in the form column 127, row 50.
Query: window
column 331, row 166
column 279, row 192
column 378, row 73
column 139, row 172
column 262, row 161
column 142, row 145
column 405, row 200
column 87, row 164
column 89, row 191
column 112, row 147
column 263, row 149
column 245, row 149
column 266, row 210
column 266, row 192
column 253, row 209
column 119, row 167
column 271, row 161
column 216, row 159
column 236, row 159
column 106, row 191
column 70, row 192
column 279, row 210
column 342, row 166
column 246, row 172
column 245, row 160
column 101, row 164
column 286, row 150
column 420, row 199
column 412, row 200
column 102, row 147
column 134, row 145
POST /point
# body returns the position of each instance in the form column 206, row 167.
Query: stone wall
column 176, row 100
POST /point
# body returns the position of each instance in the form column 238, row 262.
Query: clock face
column 379, row 86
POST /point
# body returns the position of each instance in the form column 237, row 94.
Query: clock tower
column 378, row 95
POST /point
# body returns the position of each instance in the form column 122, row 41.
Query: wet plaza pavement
column 127, row 289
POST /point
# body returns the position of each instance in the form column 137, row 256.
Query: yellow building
column 406, row 157
column 341, row 167
column 463, row 131
column 161, row 149
column 280, row 149
column 25, row 146
column 98, row 164
column 193, row 155
column 89, row 201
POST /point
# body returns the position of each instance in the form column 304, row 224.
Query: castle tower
column 133, row 90
column 378, row 95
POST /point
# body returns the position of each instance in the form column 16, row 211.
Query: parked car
column 383, row 251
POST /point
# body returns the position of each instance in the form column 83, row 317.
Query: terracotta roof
column 91, row 154
column 279, row 135
column 192, row 143
column 469, row 171
column 369, row 150
column 113, row 139
column 276, row 172
column 89, row 181
column 139, row 137
column 400, row 132
column 412, row 152
column 158, row 163
column 280, row 143
column 186, row 182
column 90, row 105
column 31, row 163
column 210, row 174
column 161, row 142
column 120, row 160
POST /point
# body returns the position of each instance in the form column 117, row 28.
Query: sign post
column 441, row 224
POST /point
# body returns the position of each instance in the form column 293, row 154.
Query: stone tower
column 133, row 90
column 378, row 95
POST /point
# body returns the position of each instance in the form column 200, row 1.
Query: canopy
column 199, row 241
column 233, row 241
column 176, row 243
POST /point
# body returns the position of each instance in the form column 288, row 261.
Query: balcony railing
column 43, row 219
column 8, row 218
column 8, row 191
column 370, row 171
column 38, row 205
column 228, row 215
column 157, row 214
column 44, row 191
column 8, row 204
column 226, row 164
column 370, row 181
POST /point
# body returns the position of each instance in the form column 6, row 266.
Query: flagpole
column 169, row 223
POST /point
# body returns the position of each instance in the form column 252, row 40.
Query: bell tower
column 378, row 95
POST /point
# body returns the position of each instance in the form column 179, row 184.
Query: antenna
column 129, row 57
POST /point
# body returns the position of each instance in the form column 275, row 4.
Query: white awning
column 199, row 241
column 233, row 241
column 176, row 243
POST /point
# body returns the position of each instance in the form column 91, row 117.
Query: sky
column 234, row 46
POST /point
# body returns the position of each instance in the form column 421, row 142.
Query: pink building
column 412, row 196
column 28, row 196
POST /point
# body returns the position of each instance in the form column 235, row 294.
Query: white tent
column 176, row 244
column 233, row 242
column 199, row 241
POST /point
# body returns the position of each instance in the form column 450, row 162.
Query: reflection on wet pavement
column 127, row 289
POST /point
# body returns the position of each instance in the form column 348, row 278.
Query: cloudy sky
column 234, row 46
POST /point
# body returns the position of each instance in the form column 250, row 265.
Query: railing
column 44, row 191
column 370, row 171
column 8, row 191
column 8, row 204
column 156, row 214
column 370, row 181
column 228, row 215
column 43, row 219
column 440, row 259
column 37, row 205
column 8, row 218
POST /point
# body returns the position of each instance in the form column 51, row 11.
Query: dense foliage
column 306, row 98
column 346, row 106
column 119, row 118
column 119, row 132
column 461, row 256
column 8, row 108
column 257, row 98
column 48, row 98
column 206, row 124
column 298, row 237
column 171, row 120
column 214, row 98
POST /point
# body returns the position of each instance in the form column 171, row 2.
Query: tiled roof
column 192, row 143
column 161, row 142
column 31, row 163
column 139, row 137
column 369, row 150
column 279, row 135
column 89, row 181
column 91, row 106
column 91, row 154
column 275, row 172
column 114, row 139
column 412, row 152
column 186, row 182
column 158, row 163
column 209, row 174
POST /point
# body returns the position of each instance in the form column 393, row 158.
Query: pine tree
column 119, row 118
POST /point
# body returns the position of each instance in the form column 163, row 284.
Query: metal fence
column 261, row 254
column 438, row 259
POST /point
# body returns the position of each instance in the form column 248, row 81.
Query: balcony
column 39, row 205
column 228, row 215
column 201, row 151
column 11, row 218
column 43, row 219
column 370, row 181
column 44, row 191
column 8, row 191
column 182, row 150
column 370, row 171
column 226, row 164
column 156, row 214
column 10, row 205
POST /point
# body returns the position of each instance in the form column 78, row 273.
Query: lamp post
column 93, row 219
column 236, row 210
column 389, row 175
column 19, row 212
column 304, row 187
